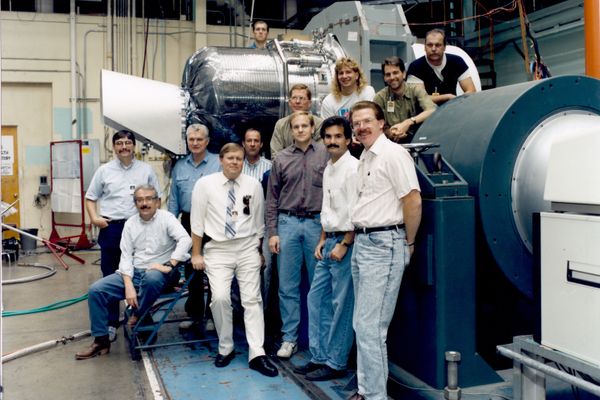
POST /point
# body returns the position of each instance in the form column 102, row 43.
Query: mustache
column 144, row 207
column 332, row 146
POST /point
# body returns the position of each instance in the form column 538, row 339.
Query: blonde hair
column 297, row 114
column 353, row 65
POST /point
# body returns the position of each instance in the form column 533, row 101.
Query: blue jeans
column 298, row 238
column 105, row 293
column 330, row 304
column 378, row 262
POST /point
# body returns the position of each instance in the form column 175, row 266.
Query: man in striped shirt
column 255, row 165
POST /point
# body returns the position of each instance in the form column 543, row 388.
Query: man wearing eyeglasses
column 386, row 218
column 228, row 207
column 152, row 244
column 186, row 172
column 299, row 100
column 112, row 186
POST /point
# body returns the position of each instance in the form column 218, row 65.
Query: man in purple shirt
column 294, row 200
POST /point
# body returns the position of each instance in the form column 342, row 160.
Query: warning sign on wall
column 8, row 155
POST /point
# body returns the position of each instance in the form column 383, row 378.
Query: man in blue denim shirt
column 386, row 216
column 186, row 172
column 331, row 298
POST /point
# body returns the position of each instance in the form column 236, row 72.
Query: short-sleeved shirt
column 413, row 101
column 442, row 79
column 113, row 185
column 386, row 173
column 333, row 106
column 184, row 177
column 339, row 194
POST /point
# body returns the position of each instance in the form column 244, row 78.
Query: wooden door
column 10, row 176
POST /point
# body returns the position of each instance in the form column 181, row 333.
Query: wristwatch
column 414, row 120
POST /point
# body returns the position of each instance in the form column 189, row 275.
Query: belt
column 334, row 234
column 380, row 228
column 116, row 221
column 303, row 214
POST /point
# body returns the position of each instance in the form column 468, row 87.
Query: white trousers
column 239, row 258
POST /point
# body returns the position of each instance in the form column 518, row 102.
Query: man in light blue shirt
column 255, row 165
column 198, row 163
column 112, row 186
column 152, row 244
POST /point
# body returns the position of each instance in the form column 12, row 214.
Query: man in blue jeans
column 386, row 216
column 331, row 297
column 293, row 207
column 152, row 244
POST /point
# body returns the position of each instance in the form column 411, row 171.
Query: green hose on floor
column 49, row 307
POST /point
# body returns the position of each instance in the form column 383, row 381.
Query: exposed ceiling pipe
column 73, row 32
column 591, row 24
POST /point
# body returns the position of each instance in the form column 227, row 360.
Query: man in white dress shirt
column 228, row 207
column 152, row 244
column 386, row 216
column 331, row 297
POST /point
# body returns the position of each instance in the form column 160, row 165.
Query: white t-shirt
column 332, row 106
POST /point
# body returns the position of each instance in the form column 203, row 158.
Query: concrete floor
column 54, row 373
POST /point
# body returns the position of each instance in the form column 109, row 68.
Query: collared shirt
column 209, row 207
column 331, row 105
column 413, row 101
column 386, row 173
column 184, row 177
column 284, row 137
column 296, row 182
column 156, row 241
column 258, row 169
column 339, row 194
column 113, row 185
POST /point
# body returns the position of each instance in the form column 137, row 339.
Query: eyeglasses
column 246, row 201
column 358, row 124
column 140, row 200
column 123, row 143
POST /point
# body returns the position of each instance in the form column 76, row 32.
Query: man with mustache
column 112, row 186
column 331, row 297
column 153, row 243
column 405, row 106
column 386, row 217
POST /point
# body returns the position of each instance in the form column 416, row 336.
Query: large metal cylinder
column 499, row 141
column 232, row 87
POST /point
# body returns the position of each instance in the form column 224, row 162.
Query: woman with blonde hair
column 349, row 86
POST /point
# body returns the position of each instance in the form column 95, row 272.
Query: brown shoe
column 96, row 349
column 132, row 321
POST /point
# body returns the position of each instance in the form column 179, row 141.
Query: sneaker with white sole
column 209, row 325
column 186, row 324
column 287, row 349
column 112, row 334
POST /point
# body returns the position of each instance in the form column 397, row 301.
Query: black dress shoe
column 223, row 361
column 309, row 367
column 325, row 373
column 264, row 366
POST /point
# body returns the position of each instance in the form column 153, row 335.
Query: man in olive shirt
column 294, row 200
column 299, row 100
column 404, row 106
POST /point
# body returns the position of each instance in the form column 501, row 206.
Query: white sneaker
column 112, row 333
column 209, row 325
column 287, row 349
column 186, row 324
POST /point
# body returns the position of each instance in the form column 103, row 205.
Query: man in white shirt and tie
column 228, row 208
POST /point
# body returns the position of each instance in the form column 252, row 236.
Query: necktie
column 229, row 221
